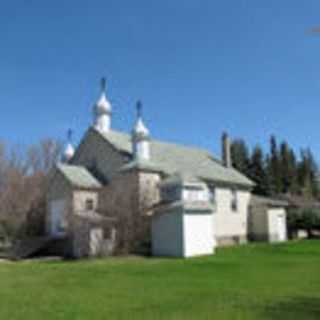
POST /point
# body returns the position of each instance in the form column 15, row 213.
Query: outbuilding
column 267, row 219
column 182, row 225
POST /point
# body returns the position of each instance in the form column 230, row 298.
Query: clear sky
column 200, row 67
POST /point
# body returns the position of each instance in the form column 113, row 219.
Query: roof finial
column 69, row 135
column 103, row 84
column 139, row 109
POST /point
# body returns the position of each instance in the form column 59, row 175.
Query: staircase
column 29, row 247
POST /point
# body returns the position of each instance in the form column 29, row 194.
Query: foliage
column 305, row 218
column 279, row 171
column 23, row 172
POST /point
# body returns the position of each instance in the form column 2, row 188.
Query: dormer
column 182, row 188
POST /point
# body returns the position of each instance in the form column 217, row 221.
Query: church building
column 125, row 193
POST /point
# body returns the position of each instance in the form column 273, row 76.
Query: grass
column 248, row 282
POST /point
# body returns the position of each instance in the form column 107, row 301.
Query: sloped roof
column 270, row 202
column 171, row 158
column 180, row 179
column 142, row 165
column 78, row 176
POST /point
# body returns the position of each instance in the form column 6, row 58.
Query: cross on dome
column 140, row 130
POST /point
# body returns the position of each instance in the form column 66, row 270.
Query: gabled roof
column 171, row 158
column 78, row 176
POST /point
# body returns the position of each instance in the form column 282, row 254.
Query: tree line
column 280, row 170
column 23, row 179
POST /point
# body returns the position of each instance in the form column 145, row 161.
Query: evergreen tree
column 240, row 156
column 257, row 171
column 293, row 173
column 287, row 168
column 275, row 167
column 306, row 173
column 270, row 189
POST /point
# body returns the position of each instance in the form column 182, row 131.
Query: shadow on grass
column 296, row 308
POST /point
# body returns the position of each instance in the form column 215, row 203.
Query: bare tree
column 23, row 173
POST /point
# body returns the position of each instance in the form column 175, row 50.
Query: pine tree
column 240, row 156
column 275, row 168
column 287, row 167
column 306, row 173
column 293, row 173
column 257, row 171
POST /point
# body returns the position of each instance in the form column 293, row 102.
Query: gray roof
column 180, row 179
column 199, row 206
column 171, row 158
column 270, row 202
column 78, row 176
column 144, row 165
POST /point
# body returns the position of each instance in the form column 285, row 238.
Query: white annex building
column 127, row 192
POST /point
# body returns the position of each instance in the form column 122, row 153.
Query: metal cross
column 139, row 109
column 69, row 135
column 103, row 84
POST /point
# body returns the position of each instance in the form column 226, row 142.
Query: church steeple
column 140, row 137
column 102, row 110
column 68, row 152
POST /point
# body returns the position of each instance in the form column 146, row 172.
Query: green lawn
column 248, row 282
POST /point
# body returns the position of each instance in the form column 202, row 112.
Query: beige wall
column 81, row 196
column 59, row 189
column 96, row 154
column 228, row 225
column 263, row 223
column 149, row 192
column 273, row 215
column 258, row 223
column 128, row 198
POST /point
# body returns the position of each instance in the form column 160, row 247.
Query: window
column 212, row 197
column 89, row 204
column 170, row 193
column 191, row 193
column 234, row 200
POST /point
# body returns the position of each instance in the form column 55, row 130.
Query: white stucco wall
column 182, row 234
column 268, row 224
column 167, row 234
column 229, row 224
column 198, row 238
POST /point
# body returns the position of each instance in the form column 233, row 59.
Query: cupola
column 102, row 110
column 69, row 151
column 140, row 137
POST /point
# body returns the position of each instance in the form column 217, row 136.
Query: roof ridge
column 180, row 145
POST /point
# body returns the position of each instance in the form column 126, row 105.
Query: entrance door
column 57, row 213
column 96, row 241
column 282, row 229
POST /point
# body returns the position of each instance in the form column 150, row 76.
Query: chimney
column 226, row 150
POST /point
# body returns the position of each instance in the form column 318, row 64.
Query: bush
column 303, row 218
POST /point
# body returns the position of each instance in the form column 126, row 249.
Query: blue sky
column 200, row 67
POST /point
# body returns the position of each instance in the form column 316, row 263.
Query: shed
column 267, row 219
column 182, row 224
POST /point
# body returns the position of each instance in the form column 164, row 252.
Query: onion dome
column 69, row 150
column 103, row 105
column 140, row 131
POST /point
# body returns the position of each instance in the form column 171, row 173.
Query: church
column 123, row 193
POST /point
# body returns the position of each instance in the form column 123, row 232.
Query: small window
column 234, row 201
column 212, row 197
column 89, row 204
